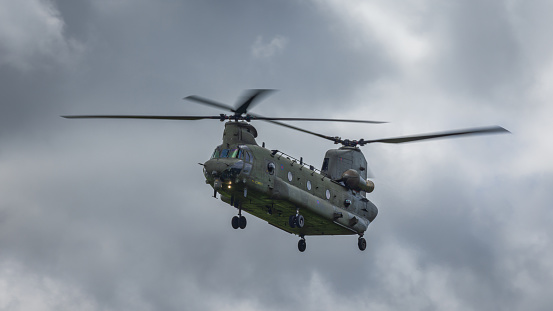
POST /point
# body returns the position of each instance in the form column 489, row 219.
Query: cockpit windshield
column 236, row 153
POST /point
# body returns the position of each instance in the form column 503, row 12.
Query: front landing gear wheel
column 243, row 222
column 235, row 222
column 302, row 245
column 362, row 243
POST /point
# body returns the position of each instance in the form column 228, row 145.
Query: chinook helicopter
column 286, row 192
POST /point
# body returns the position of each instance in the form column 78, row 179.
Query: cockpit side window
column 215, row 154
column 224, row 153
column 249, row 157
column 245, row 153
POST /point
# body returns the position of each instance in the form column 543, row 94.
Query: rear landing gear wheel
column 243, row 222
column 300, row 221
column 235, row 222
column 296, row 221
column 292, row 221
column 362, row 243
column 302, row 245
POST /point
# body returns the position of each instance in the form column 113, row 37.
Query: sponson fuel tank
column 353, row 180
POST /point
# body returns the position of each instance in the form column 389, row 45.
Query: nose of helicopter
column 214, row 167
column 223, row 169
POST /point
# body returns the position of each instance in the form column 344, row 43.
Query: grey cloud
column 483, row 52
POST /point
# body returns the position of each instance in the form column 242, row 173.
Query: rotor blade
column 142, row 117
column 463, row 132
column 251, row 97
column 209, row 102
column 334, row 139
column 316, row 119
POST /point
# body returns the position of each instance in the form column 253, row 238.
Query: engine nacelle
column 353, row 180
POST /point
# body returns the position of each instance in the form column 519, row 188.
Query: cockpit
column 227, row 164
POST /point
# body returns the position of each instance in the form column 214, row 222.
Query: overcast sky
column 115, row 214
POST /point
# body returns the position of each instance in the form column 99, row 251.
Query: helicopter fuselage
column 274, row 186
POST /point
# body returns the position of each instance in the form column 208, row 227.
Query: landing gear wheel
column 362, row 244
column 235, row 222
column 292, row 221
column 300, row 221
column 243, row 222
column 302, row 245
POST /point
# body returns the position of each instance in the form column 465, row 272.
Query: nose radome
column 215, row 167
column 223, row 169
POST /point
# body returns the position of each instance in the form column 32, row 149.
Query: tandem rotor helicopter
column 286, row 192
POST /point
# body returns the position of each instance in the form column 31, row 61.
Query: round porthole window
column 290, row 176
column 308, row 185
column 271, row 168
column 328, row 194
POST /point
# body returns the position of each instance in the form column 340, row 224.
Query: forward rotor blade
column 251, row 98
column 316, row 119
column 209, row 102
column 464, row 132
column 142, row 117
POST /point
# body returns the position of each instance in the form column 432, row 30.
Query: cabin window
column 271, row 168
column 308, row 185
column 290, row 177
column 327, row 194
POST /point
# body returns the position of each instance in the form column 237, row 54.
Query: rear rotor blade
column 316, row 119
column 255, row 116
column 463, row 132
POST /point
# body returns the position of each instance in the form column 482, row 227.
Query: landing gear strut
column 301, row 244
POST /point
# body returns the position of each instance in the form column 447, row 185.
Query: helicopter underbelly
column 276, row 205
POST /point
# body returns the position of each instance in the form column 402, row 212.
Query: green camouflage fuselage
column 273, row 186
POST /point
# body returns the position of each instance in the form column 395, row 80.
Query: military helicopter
column 284, row 191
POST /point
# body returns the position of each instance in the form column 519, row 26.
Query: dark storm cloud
column 115, row 215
